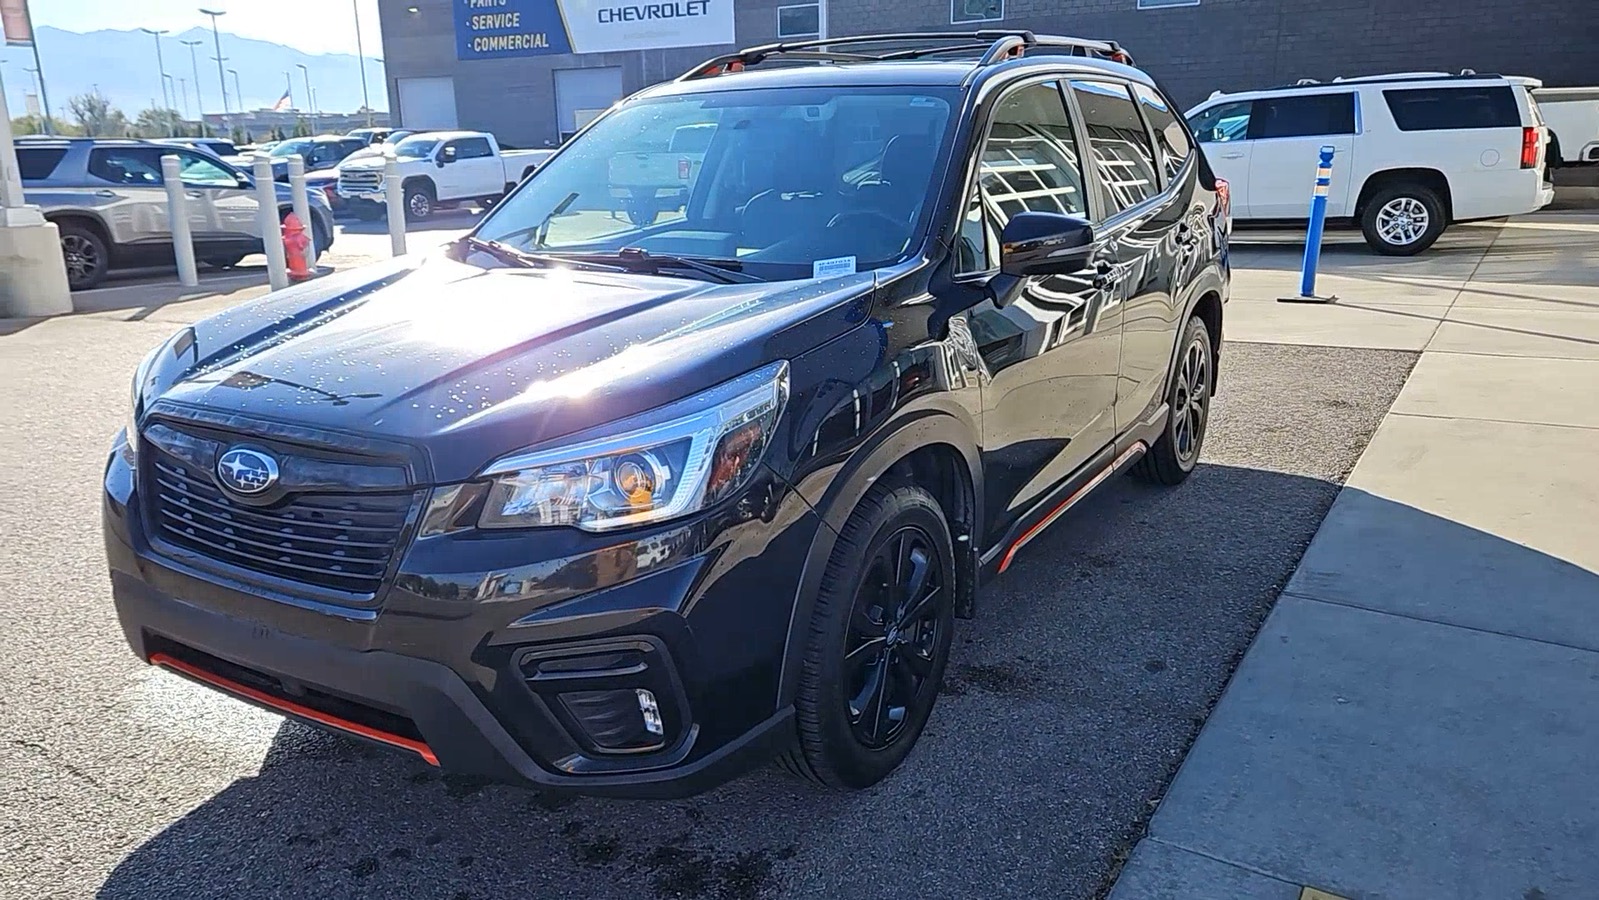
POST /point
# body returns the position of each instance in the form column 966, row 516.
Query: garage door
column 427, row 103
column 579, row 93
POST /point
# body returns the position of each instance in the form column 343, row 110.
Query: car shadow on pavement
column 1067, row 707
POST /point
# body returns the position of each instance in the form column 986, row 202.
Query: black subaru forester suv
column 618, row 507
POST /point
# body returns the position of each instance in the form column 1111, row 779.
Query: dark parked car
column 108, row 198
column 619, row 508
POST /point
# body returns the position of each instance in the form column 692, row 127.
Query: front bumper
column 453, row 667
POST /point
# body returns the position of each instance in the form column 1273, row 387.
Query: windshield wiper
column 637, row 259
column 522, row 259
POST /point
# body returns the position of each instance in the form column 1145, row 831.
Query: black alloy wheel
column 85, row 254
column 1176, row 454
column 893, row 633
column 879, row 640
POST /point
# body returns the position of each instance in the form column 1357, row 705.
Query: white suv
column 1414, row 152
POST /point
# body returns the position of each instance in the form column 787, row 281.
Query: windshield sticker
column 832, row 268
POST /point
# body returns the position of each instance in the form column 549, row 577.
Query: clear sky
column 315, row 26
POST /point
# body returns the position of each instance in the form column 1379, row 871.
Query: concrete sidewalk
column 1418, row 719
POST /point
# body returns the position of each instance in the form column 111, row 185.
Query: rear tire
column 86, row 255
column 1402, row 219
column 1174, row 456
column 879, row 640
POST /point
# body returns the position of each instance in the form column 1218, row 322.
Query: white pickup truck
column 1572, row 115
column 439, row 169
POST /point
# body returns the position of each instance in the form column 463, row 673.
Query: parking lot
column 1070, row 702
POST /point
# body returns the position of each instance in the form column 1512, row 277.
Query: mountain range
column 122, row 65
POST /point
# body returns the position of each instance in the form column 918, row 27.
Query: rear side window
column 127, row 165
column 1122, row 153
column 1453, row 108
column 472, row 148
column 1171, row 138
column 37, row 163
column 1303, row 115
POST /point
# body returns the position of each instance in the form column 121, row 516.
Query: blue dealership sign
column 485, row 29
column 488, row 29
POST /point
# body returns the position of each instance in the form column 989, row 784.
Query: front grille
column 342, row 542
column 361, row 181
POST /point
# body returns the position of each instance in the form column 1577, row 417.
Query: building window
column 799, row 21
column 1161, row 4
column 961, row 11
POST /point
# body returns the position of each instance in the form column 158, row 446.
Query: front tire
column 1174, row 456
column 1402, row 220
column 879, row 640
column 419, row 202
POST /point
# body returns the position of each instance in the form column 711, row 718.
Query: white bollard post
column 302, row 204
column 178, row 218
column 396, row 201
column 266, row 198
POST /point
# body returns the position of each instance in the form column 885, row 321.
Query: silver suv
column 109, row 200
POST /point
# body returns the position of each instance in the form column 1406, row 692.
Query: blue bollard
column 1318, row 219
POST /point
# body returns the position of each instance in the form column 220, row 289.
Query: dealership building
column 534, row 71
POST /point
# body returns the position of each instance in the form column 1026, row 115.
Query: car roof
column 907, row 73
column 1392, row 80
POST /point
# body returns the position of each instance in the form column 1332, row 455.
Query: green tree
column 96, row 116
column 302, row 128
column 35, row 125
column 240, row 136
column 156, row 122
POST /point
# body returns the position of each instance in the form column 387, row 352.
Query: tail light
column 1529, row 148
column 1224, row 203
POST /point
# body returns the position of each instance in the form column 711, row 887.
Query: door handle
column 1235, row 154
column 1106, row 273
column 108, row 195
column 194, row 195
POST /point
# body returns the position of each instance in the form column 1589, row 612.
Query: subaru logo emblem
column 247, row 471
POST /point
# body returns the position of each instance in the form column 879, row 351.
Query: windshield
column 791, row 183
column 291, row 148
column 415, row 148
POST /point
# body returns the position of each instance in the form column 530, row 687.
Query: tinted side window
column 134, row 166
column 1302, row 116
column 1451, row 108
column 472, row 148
column 1171, row 138
column 1030, row 163
column 38, row 162
column 1123, row 155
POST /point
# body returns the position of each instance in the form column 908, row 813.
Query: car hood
column 358, row 161
column 469, row 364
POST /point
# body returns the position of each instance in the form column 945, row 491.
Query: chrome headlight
column 647, row 474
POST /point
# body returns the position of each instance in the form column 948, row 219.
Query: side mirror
column 1041, row 243
column 446, row 156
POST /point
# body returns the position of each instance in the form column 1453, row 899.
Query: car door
column 1286, row 135
column 1223, row 134
column 222, row 207
column 1141, row 230
column 451, row 175
column 126, row 187
column 1049, row 344
column 482, row 173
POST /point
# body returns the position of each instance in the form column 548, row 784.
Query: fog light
column 652, row 712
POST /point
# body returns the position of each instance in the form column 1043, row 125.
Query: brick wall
column 1192, row 50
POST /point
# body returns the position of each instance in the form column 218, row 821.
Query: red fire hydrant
column 296, row 248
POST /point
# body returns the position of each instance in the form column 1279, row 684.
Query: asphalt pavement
column 1069, row 704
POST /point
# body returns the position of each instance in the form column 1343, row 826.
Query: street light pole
column 38, row 67
column 238, row 98
column 171, row 112
column 222, row 79
column 308, row 97
column 183, row 87
column 360, row 60
column 161, row 66
column 199, row 104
